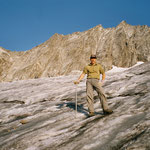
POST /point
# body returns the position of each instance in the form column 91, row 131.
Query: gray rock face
column 39, row 114
column 122, row 46
column 5, row 61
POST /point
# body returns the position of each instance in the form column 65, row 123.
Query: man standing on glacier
column 93, row 71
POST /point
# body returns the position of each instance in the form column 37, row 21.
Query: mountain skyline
column 123, row 21
column 28, row 23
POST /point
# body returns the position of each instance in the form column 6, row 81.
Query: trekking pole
column 76, row 102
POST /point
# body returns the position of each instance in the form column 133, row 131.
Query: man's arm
column 80, row 78
column 103, row 78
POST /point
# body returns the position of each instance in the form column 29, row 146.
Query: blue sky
column 25, row 24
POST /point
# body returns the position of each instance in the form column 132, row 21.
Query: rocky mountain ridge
column 121, row 46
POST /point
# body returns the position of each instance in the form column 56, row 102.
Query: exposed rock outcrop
column 39, row 114
column 5, row 62
column 122, row 46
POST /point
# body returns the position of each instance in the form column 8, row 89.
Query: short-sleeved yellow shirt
column 93, row 71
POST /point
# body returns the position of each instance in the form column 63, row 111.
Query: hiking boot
column 107, row 111
column 91, row 114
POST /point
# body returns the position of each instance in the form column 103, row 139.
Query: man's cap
column 93, row 56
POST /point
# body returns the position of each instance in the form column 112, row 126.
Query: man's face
column 93, row 61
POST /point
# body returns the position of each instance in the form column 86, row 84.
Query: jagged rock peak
column 56, row 35
column 97, row 27
column 123, row 22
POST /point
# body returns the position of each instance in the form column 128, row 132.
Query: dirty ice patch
column 32, row 148
column 17, row 111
